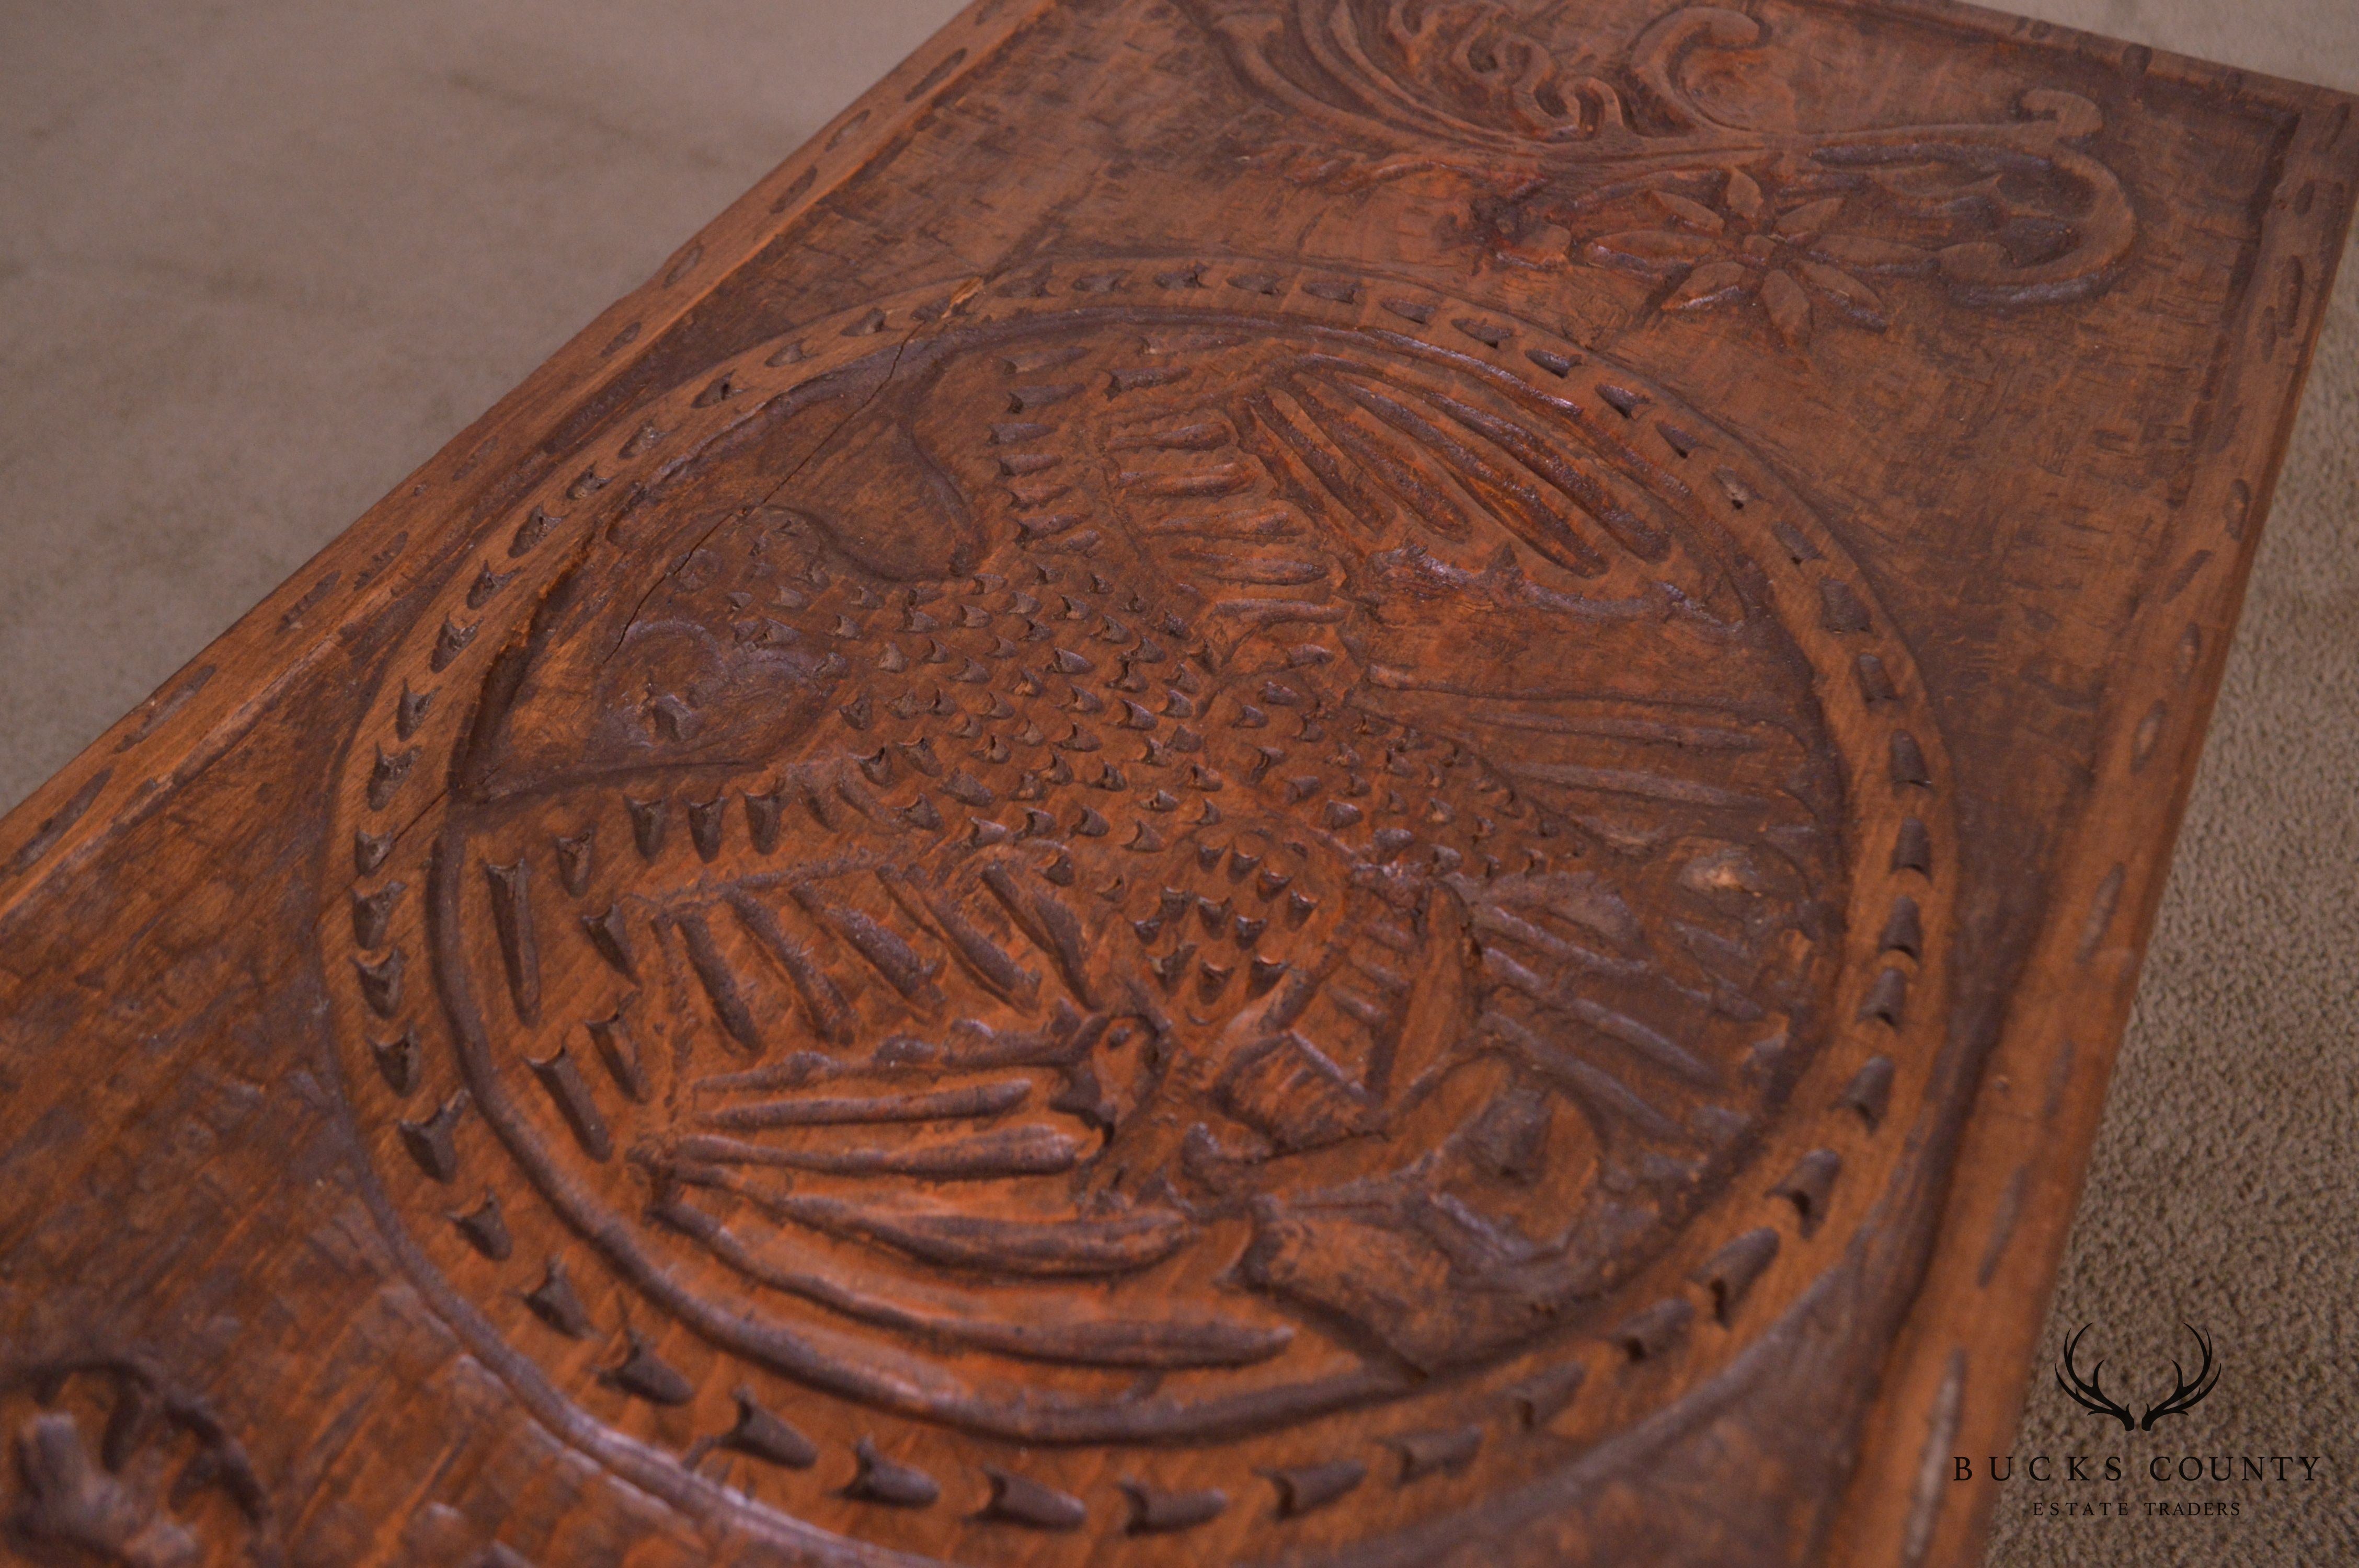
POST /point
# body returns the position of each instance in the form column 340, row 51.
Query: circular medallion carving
column 1133, row 905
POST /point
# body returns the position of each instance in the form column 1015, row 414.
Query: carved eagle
column 1267, row 862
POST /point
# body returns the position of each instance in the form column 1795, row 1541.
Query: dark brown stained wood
column 1355, row 781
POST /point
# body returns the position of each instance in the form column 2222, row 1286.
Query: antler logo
column 2089, row 1394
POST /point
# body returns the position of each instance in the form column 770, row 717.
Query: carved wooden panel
column 1293, row 780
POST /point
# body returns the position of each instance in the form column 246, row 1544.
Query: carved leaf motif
column 1743, row 195
column 1659, row 251
column 1810, row 218
column 1692, row 214
column 1853, row 296
column 1715, row 283
column 1788, row 307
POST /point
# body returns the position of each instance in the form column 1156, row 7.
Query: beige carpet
column 2221, row 1188
column 259, row 260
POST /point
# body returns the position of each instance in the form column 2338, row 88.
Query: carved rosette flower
column 1748, row 249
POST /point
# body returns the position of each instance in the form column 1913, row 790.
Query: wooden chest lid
column 1295, row 781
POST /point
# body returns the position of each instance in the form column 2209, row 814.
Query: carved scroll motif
column 1618, row 164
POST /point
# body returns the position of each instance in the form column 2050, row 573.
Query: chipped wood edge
column 1957, row 1378
column 406, row 540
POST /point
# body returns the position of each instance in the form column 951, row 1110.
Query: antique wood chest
column 1271, row 781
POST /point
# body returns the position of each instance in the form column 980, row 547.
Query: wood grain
column 1267, row 780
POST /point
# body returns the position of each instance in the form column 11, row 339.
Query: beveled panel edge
column 1958, row 1377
